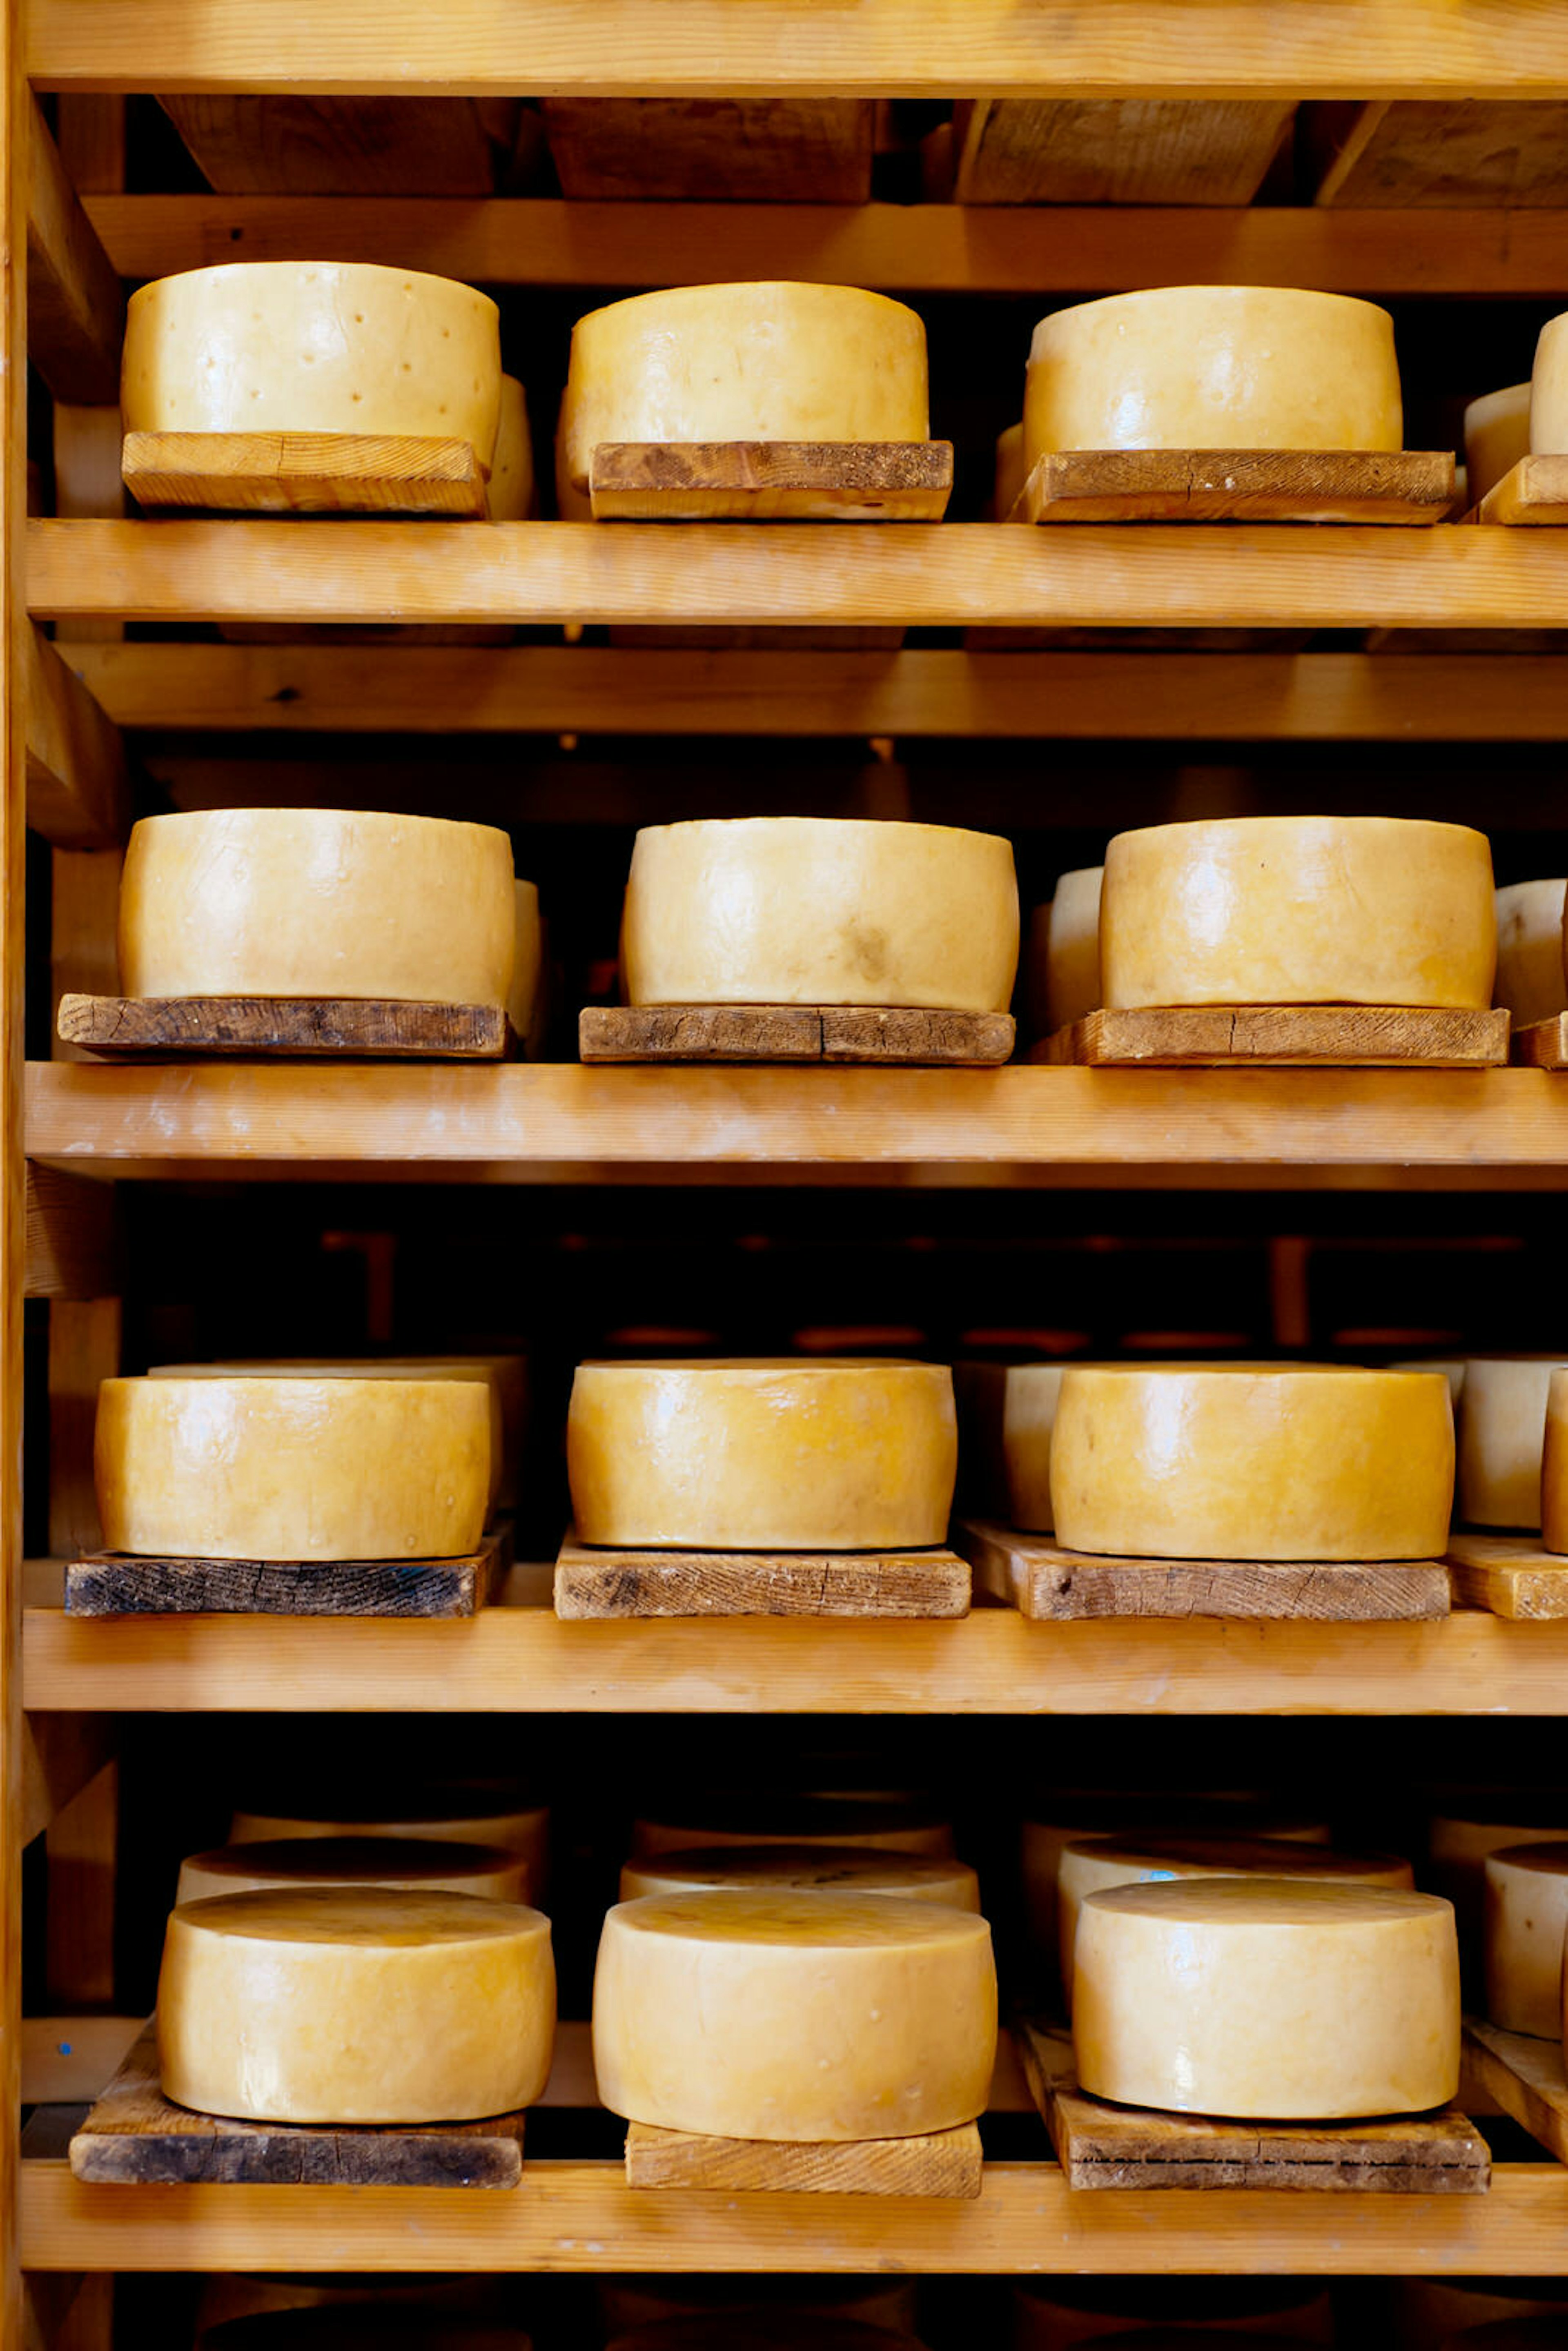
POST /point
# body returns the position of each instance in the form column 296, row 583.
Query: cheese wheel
column 1011, row 471
column 801, row 1869
column 1452, row 1366
column 1526, row 1924
column 1549, row 390
column 626, row 2304
column 418, row 1865
column 1068, row 947
column 312, row 347
column 1554, row 1467
column 316, row 903
column 1267, row 1999
column 1529, row 976
column 525, row 998
column 1057, row 2314
column 820, row 910
column 355, row 2006
column 1299, row 910
column 1457, row 1845
column 292, row 1468
column 771, row 362
column 1502, row 1434
column 1005, row 1413
column 1262, row 1463
column 783, row 1454
column 1496, row 435
column 884, row 1824
column 462, row 1814
column 794, row 2016
column 1214, row 367
column 511, row 494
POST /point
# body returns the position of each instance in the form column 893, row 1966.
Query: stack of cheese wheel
column 1496, row 435
column 1530, row 951
column 1502, row 1434
column 1549, row 390
column 466, row 1813
column 775, row 1455
column 1063, row 960
column 801, row 1869
column 293, row 1468
column 1299, row 910
column 1259, row 1462
column 318, row 903
column 820, row 910
column 1267, row 1999
column 416, row 1865
column 355, row 2005
column 1461, row 1838
column 794, row 2016
column 1058, row 2313
column 1525, row 1929
column 627, row 2304
column 880, row 1824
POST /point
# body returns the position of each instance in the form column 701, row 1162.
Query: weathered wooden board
column 1543, row 1044
column 1347, row 1036
column 304, row 473
column 113, row 1583
column 1511, row 1576
column 1526, row 2078
column 1452, row 151
column 604, row 1582
column 793, row 1032
column 1115, row 150
column 770, row 481
column 1050, row 1585
column 361, row 1027
column 1534, row 492
column 938, row 2163
column 1344, row 486
column 1105, row 2147
column 299, row 146
column 135, row 2137
column 812, row 150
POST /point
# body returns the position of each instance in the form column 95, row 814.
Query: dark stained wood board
column 356, row 1027
column 306, row 472
column 770, row 481
column 1336, row 1036
column 615, row 1583
column 113, row 1583
column 1510, row 1575
column 134, row 2136
column 1033, row 1574
column 1526, row 2078
column 811, row 151
column 1542, row 1044
column 1397, row 486
column 936, row 2163
column 1535, row 492
column 794, row 1032
column 287, row 144
column 1114, row 151
column 1452, row 151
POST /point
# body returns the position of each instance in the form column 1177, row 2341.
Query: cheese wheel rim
column 864, row 1870
column 1525, row 1899
column 412, row 1863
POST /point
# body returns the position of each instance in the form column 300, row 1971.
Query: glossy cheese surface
column 1502, row 1433
column 887, row 1825
column 1299, row 910
column 1267, row 1999
column 316, row 903
column 794, row 2016
column 782, row 1455
column 1496, row 435
column 801, row 1869
column 820, row 910
column 292, row 1468
column 1529, row 965
column 417, row 1865
column 363, row 2006
column 1549, row 390
column 1526, row 1924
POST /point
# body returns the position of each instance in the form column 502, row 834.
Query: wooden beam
column 327, row 146
column 1454, row 152
column 75, row 304
column 67, row 2059
column 78, row 783
column 61, row 1753
column 1140, row 150
column 73, row 1236
column 83, row 1845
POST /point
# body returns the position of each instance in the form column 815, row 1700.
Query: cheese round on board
column 511, row 493
column 886, row 1824
column 1267, row 1999
column 1496, row 435
column 1526, row 1924
column 1254, row 1463
column 1549, row 390
column 316, row 903
column 1529, row 961
column 292, row 1468
column 1554, row 1467
column 794, row 2016
column 355, row 2006
column 771, row 362
column 1058, row 2314
column 313, row 346
column 466, row 1813
column 801, row 1869
column 820, row 910
column 782, row 1455
column 1299, row 910
column 1064, row 952
column 1214, row 367
column 1502, row 1438
column 1460, row 1840
column 417, row 1865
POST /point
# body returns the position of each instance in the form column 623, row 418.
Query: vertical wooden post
column 82, row 1844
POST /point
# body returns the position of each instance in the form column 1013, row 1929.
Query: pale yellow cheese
column 785, row 1455
column 1058, row 2314
column 1264, row 1463
column 1549, row 390
column 1458, row 1845
column 794, row 2016
column 801, row 1869
column 292, row 1468
column 1554, row 1467
column 312, row 347
column 885, row 1825
column 1526, row 1923
column 418, row 1865
column 629, row 2303
column 1452, row 1366
column 1064, row 951
column 820, row 910
column 1266, row 1999
column 1529, row 974
column 1007, row 1412
column 316, row 903
column 1502, row 1431
column 525, row 998
column 771, row 361
column 1496, row 435
column 511, row 493
column 1011, row 471
column 1214, row 367
column 1299, row 910
column 466, row 1814
column 365, row 2006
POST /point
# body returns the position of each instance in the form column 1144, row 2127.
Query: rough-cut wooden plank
column 770, row 481
column 112, row 1583
column 295, row 145
column 60, row 1752
column 793, row 1032
column 715, row 150
column 363, row 1027
column 69, row 2059
column 1543, row 1044
column 78, row 783
column 619, row 1582
column 936, row 2163
column 1375, row 1036
column 135, row 2137
column 1050, row 1585
column 1449, row 153
column 1511, row 1576
column 1323, row 485
column 73, row 1236
column 75, row 304
column 304, row 473
column 1128, row 150
column 1526, row 2078
column 1535, row 491
column 1105, row 2147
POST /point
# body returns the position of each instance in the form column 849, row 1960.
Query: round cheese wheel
column 1496, row 435
column 1007, row 1413
column 1299, row 910
column 626, row 2304
column 1214, row 367
column 1554, row 1467
column 1526, row 1925
column 312, row 347
column 1064, row 951
column 316, row 903
column 1452, row 1366
column 1457, row 1845
column 884, row 1824
column 801, row 1869
column 511, row 494
column 292, row 1468
column 465, row 1813
column 1549, row 390
column 820, row 910
column 763, row 362
column 1502, row 1434
column 1057, row 2314
column 1011, row 471
column 1262, row 1462
column 355, row 2006
column 1267, row 1999
column 525, row 998
column 1529, row 974
column 794, row 2016
column 418, row 1864
column 783, row 1454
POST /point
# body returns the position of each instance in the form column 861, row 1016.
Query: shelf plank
column 75, row 304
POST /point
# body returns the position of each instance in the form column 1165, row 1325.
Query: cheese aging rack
column 570, row 680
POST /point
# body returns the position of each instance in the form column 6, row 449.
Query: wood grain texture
column 1534, row 492
column 60, row 1753
column 295, row 145
column 73, row 1238
column 1543, row 1044
column 1050, row 1585
column 936, row 2163
column 1526, row 2078
column 1511, row 1576
column 75, row 304
column 606, row 1582
column 112, row 1583
column 304, row 473
column 1259, row 485
column 134, row 2136
column 794, row 1032
column 1341, row 1036
column 79, row 779
column 770, row 481
column 714, row 150
column 69, row 2059
column 1129, row 150
column 361, row 1028
column 1450, row 153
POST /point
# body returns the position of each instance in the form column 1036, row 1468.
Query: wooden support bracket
column 75, row 304
column 79, row 779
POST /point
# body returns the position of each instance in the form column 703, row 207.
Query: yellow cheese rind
column 794, row 2016
column 1064, row 951
column 525, row 998
column 1526, row 1923
column 369, row 2006
column 801, row 1869
column 1502, row 1433
column 416, row 1865
column 1267, row 1999
column 1214, row 367
column 1529, row 974
column 785, row 1455
column 1554, row 1467
column 1549, row 390
column 1263, row 1463
column 885, row 1826
column 1011, row 471
column 820, row 910
column 1496, row 435
column 450, row 1816
column 316, row 903
column 292, row 1468
column 1299, row 910
column 312, row 347
column 511, row 492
